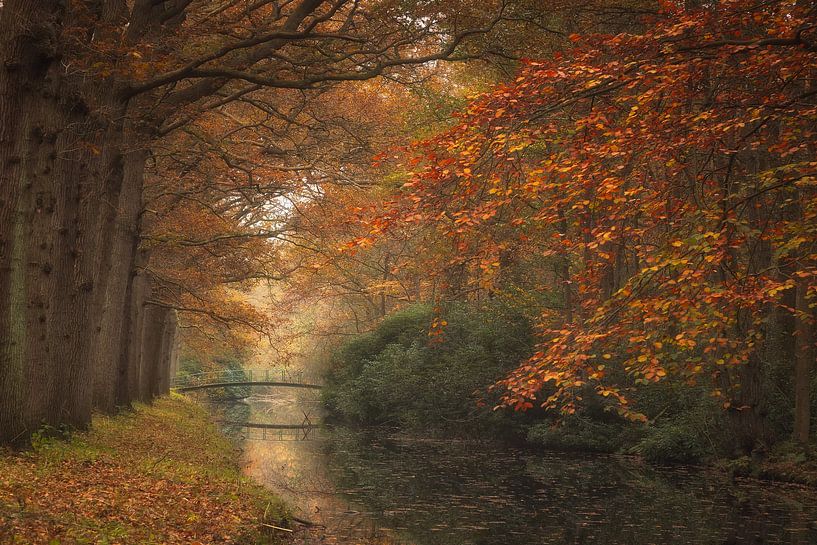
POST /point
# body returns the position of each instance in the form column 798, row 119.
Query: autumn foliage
column 667, row 177
column 149, row 152
column 163, row 474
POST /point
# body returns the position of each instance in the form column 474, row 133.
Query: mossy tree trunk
column 49, row 220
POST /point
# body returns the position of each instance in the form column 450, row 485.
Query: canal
column 367, row 489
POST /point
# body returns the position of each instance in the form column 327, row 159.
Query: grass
column 162, row 474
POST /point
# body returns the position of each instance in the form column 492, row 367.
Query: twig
column 159, row 460
column 277, row 527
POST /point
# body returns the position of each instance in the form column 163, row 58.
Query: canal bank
column 162, row 473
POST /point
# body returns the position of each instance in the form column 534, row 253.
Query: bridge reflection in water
column 254, row 431
column 283, row 432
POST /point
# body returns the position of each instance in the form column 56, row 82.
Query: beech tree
column 666, row 177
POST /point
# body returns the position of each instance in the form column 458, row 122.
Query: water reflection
column 467, row 493
column 370, row 489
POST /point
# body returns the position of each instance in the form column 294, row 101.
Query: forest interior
column 582, row 226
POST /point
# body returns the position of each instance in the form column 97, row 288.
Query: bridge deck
column 247, row 383
column 285, row 378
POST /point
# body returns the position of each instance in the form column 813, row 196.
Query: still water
column 368, row 489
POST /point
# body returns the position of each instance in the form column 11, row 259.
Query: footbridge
column 275, row 377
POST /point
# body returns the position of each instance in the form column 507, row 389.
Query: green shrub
column 579, row 434
column 674, row 444
column 396, row 376
column 687, row 424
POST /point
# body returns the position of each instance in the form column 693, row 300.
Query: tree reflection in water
column 366, row 489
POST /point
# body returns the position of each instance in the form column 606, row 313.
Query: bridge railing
column 284, row 375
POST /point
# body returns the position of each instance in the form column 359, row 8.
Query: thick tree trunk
column 21, row 58
column 114, row 309
column 58, row 315
column 132, row 349
column 747, row 413
column 61, row 172
column 48, row 221
column 126, row 389
column 153, row 344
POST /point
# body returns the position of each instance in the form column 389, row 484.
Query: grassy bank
column 162, row 474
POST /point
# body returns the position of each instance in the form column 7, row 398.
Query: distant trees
column 660, row 184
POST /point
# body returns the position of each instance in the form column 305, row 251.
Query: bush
column 396, row 376
column 579, row 434
column 694, row 429
column 673, row 444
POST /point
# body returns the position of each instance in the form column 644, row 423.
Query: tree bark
column 168, row 351
column 153, row 344
column 132, row 349
column 48, row 220
column 114, row 309
column 61, row 177
column 802, row 366
column 24, row 60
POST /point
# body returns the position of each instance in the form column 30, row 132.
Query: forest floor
column 161, row 474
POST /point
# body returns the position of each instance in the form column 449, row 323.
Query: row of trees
column 151, row 155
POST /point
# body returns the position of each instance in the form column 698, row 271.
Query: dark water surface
column 369, row 489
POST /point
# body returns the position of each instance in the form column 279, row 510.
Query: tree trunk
column 747, row 413
column 48, row 220
column 168, row 352
column 153, row 343
column 22, row 57
column 802, row 366
column 61, row 172
column 132, row 349
column 114, row 309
